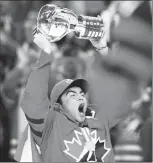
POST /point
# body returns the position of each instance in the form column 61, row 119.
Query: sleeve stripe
column 37, row 133
column 34, row 31
column 35, row 121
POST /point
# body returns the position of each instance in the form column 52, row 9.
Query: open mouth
column 81, row 108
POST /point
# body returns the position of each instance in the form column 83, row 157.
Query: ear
column 57, row 107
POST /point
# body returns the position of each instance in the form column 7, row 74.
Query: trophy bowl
column 55, row 22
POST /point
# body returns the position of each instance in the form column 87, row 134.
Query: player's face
column 75, row 103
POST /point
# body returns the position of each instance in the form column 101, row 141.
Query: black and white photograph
column 75, row 81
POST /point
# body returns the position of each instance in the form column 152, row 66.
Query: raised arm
column 35, row 102
column 35, row 99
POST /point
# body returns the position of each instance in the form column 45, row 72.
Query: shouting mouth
column 81, row 109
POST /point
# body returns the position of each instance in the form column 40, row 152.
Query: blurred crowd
column 121, row 80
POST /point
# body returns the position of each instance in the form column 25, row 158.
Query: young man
column 65, row 122
column 72, row 133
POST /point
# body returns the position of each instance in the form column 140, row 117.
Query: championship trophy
column 55, row 22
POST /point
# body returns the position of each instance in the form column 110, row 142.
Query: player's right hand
column 41, row 41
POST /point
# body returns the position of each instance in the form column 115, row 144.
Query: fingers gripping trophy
column 55, row 22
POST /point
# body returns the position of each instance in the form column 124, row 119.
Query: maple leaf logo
column 76, row 143
column 76, row 150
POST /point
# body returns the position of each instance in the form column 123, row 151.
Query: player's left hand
column 100, row 45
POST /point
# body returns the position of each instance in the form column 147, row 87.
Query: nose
column 80, row 98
